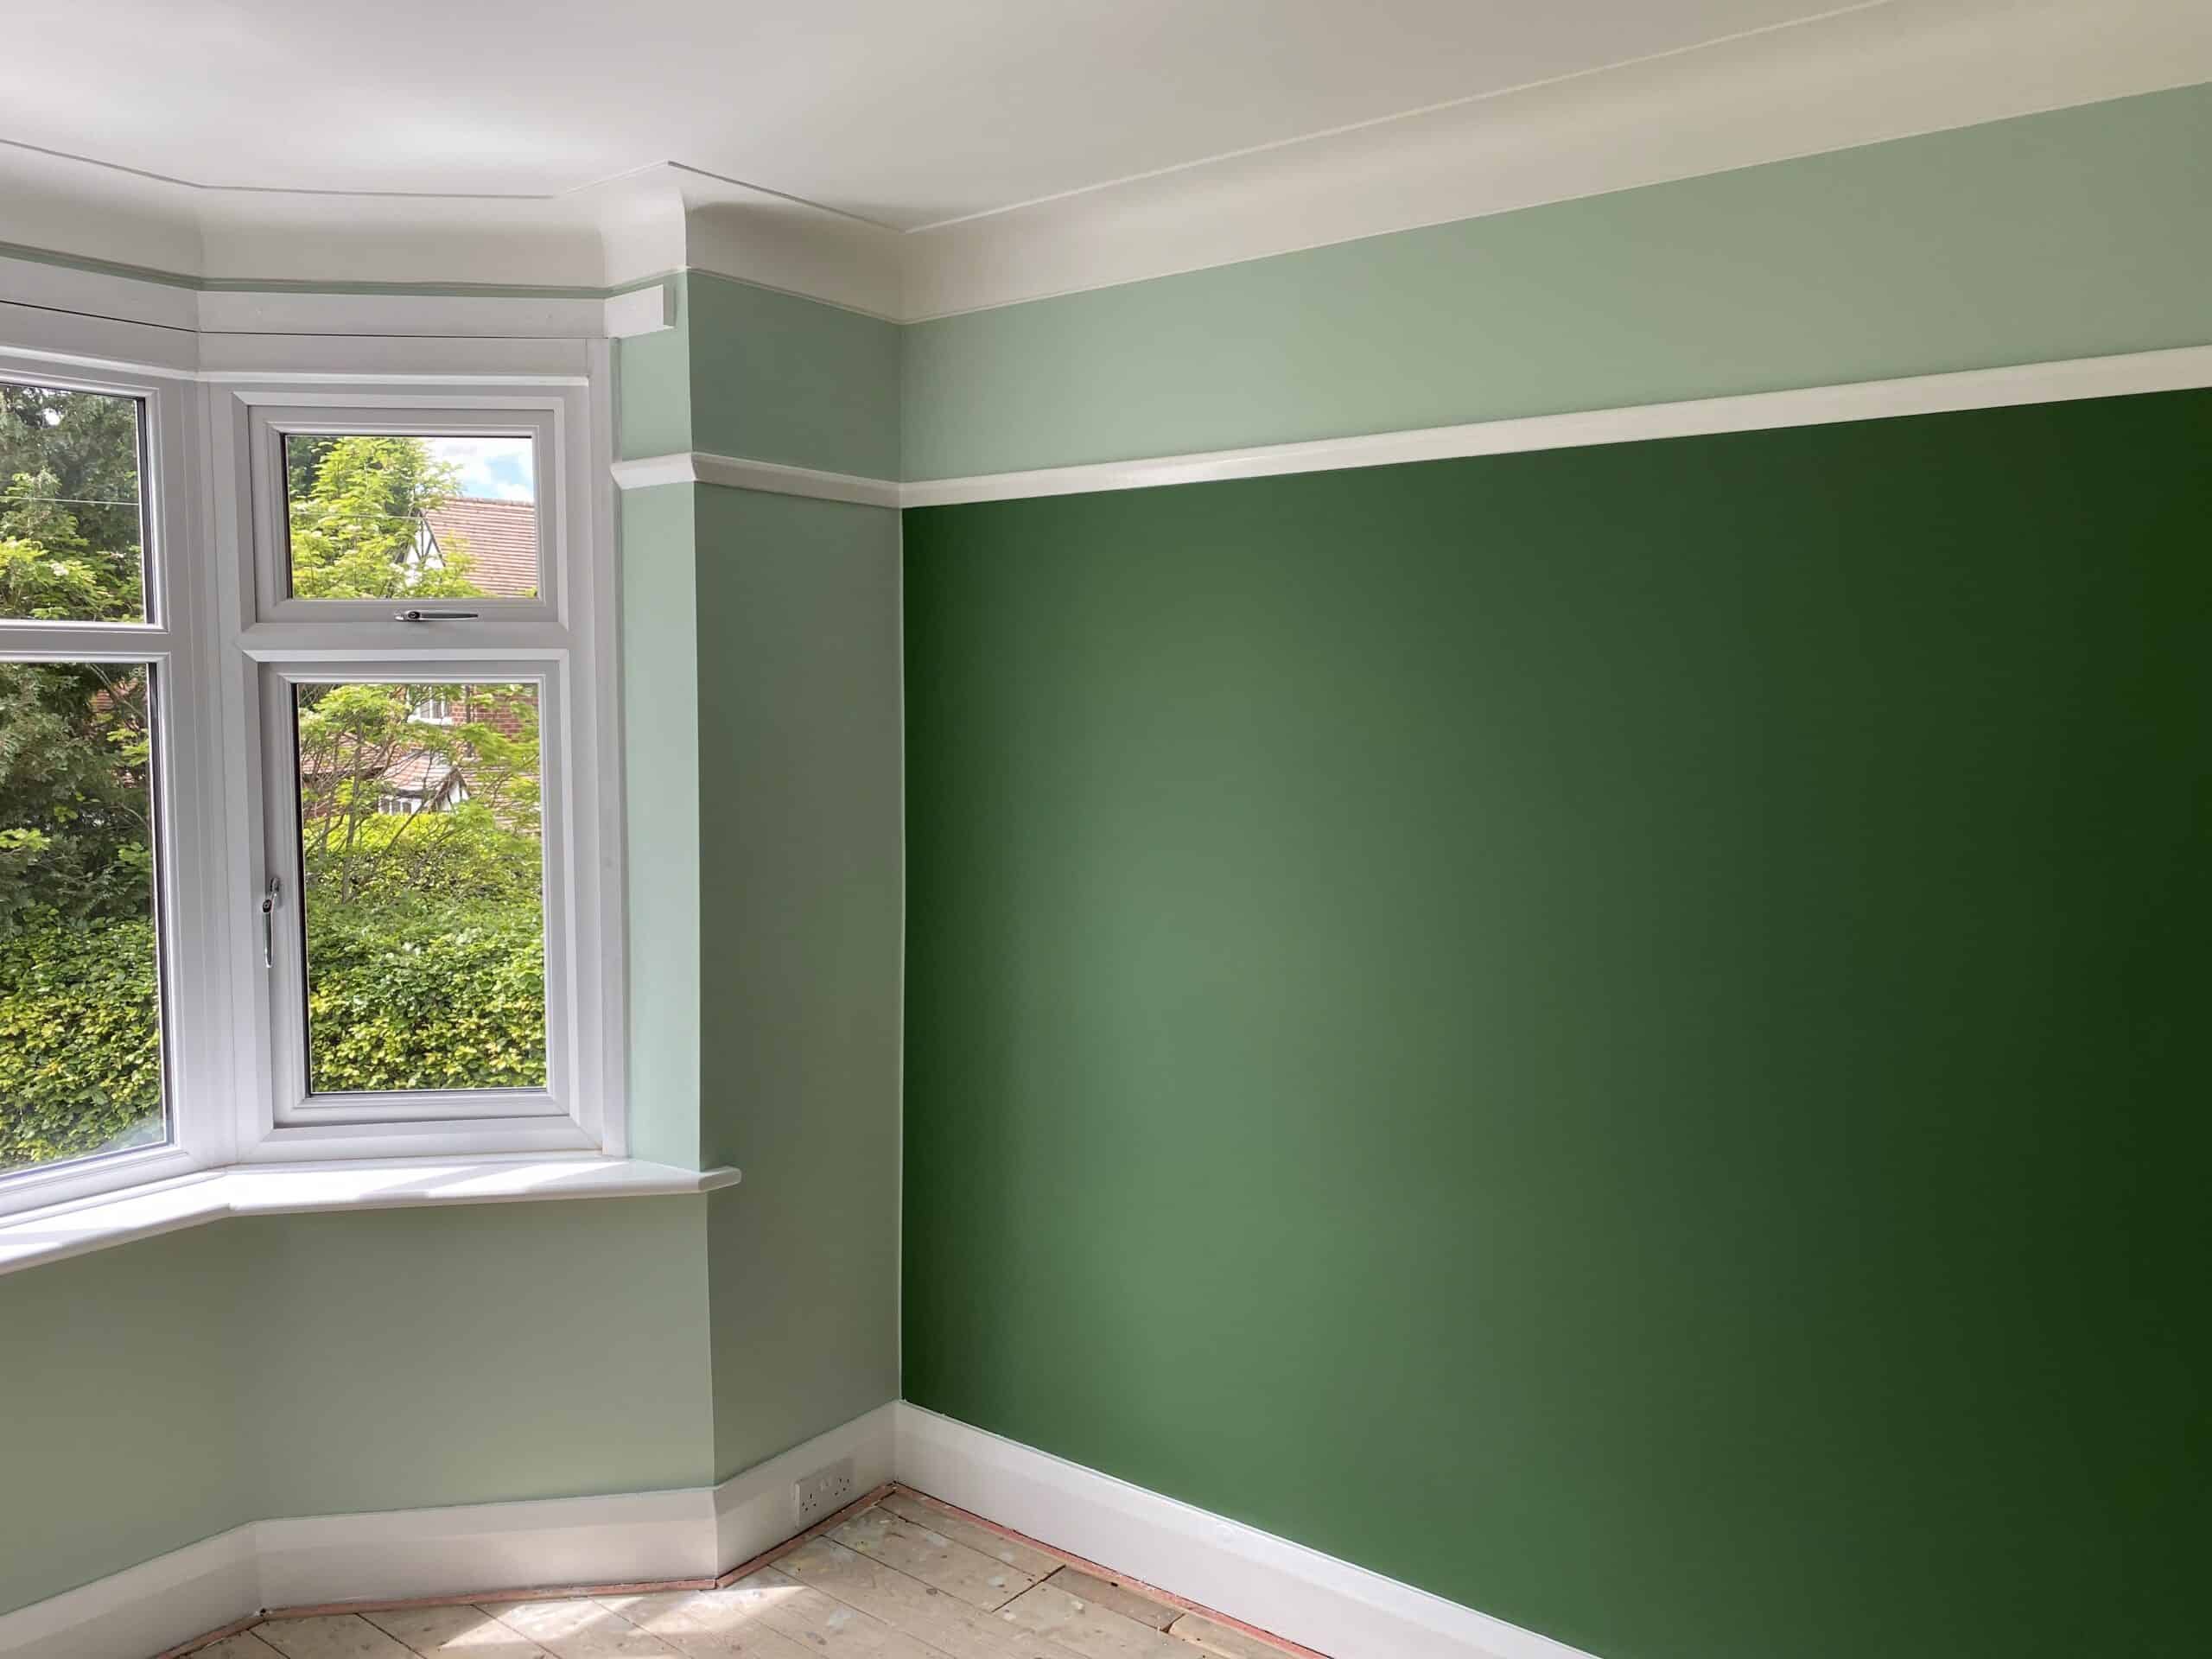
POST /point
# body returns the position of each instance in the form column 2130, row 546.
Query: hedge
column 81, row 1063
column 420, row 1007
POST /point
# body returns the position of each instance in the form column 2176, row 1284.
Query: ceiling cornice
column 1851, row 78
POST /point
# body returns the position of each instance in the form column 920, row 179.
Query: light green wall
column 652, row 384
column 2082, row 232
column 799, row 744
column 453, row 1356
column 761, row 708
column 119, row 1432
column 161, row 1392
column 661, row 784
column 778, row 378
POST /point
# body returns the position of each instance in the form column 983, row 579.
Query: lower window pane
column 423, row 874
column 80, row 1029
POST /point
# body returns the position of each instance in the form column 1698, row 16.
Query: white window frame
column 223, row 646
column 174, row 640
column 503, row 417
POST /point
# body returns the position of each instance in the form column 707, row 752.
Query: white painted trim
column 776, row 479
column 1313, row 1600
column 500, row 316
column 460, row 1549
column 142, row 1609
column 2180, row 368
column 391, row 1555
column 96, row 293
column 645, row 310
column 758, row 1509
column 736, row 473
column 650, row 472
column 62, row 1231
column 694, row 1533
column 215, row 314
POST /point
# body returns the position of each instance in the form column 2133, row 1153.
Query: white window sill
column 67, row 1229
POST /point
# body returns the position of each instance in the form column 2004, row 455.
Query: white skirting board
column 1313, row 1600
column 1316, row 1600
column 393, row 1554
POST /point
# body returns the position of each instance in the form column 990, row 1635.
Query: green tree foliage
column 419, row 804
column 446, row 894
column 74, row 739
column 79, row 451
column 81, row 1065
column 357, row 532
column 457, row 1007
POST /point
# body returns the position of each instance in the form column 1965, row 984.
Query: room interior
column 1104, row 832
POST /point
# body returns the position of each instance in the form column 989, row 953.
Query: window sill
column 51, row 1234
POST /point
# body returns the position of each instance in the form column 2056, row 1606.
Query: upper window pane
column 388, row 516
column 72, row 530
column 80, row 1030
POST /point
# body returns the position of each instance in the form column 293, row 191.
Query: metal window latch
column 436, row 616
column 269, row 895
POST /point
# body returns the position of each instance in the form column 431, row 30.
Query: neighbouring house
column 420, row 781
column 500, row 538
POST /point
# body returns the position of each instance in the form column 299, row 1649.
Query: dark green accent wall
column 1618, row 1033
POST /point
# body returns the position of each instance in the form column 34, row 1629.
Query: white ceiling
column 907, row 112
column 918, row 158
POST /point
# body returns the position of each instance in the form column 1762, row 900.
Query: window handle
column 436, row 616
column 269, row 895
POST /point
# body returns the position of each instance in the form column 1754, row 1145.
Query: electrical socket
column 827, row 1490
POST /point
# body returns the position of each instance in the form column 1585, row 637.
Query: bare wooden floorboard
column 1210, row 1635
column 454, row 1633
column 922, row 1551
column 578, row 1629
column 1089, row 1628
column 908, row 1605
column 985, row 1540
column 331, row 1635
column 897, row 1575
column 1128, row 1602
column 773, row 1618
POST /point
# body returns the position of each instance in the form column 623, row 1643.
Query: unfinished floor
column 898, row 1576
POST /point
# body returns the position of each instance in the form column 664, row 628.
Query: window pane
column 386, row 517
column 71, row 536
column 425, row 910
column 80, row 1030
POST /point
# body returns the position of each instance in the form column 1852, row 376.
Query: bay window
column 307, row 850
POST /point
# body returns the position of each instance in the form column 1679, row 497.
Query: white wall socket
column 826, row 1491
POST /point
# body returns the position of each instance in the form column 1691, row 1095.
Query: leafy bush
column 80, row 1057
column 457, row 1003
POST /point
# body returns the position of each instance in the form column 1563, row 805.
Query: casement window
column 307, row 820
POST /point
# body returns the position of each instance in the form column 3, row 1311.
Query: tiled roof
column 500, row 538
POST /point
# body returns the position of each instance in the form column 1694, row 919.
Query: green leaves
column 80, row 1055
column 458, row 1002
column 74, row 798
column 357, row 532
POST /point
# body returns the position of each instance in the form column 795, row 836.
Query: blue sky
column 502, row 469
